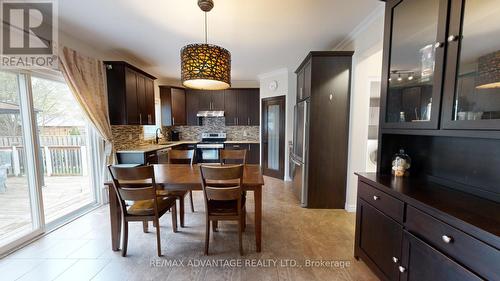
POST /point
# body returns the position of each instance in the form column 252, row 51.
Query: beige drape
column 86, row 77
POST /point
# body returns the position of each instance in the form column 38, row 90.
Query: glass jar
column 401, row 163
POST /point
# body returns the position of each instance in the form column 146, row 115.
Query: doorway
column 273, row 137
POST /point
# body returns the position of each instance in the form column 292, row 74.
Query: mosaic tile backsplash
column 129, row 136
column 237, row 133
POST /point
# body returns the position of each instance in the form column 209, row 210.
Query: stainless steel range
column 208, row 149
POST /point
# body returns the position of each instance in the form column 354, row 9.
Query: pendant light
column 205, row 66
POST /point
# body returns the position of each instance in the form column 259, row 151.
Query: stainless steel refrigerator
column 299, row 152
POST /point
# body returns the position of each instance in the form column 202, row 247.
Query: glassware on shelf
column 401, row 163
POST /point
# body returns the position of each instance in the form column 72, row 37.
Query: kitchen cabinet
column 231, row 107
column 192, row 107
column 322, row 128
column 241, row 107
column 136, row 157
column 436, row 240
column 413, row 60
column 426, row 263
column 173, row 106
column 379, row 238
column 209, row 100
column 304, row 82
column 130, row 94
column 439, row 79
column 472, row 80
column 253, row 151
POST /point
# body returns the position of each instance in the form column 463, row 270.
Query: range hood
column 213, row 113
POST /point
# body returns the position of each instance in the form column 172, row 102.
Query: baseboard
column 350, row 208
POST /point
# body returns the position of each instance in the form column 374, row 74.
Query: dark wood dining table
column 187, row 177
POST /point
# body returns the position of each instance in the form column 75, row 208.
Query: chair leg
column 145, row 226
column 191, row 200
column 244, row 219
column 181, row 210
column 215, row 226
column 240, row 234
column 125, row 238
column 173, row 210
column 158, row 243
column 207, row 235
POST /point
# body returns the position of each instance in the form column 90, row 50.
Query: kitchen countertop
column 241, row 141
column 152, row 147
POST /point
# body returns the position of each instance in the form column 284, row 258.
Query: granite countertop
column 152, row 147
column 241, row 141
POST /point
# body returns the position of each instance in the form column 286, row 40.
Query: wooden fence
column 60, row 156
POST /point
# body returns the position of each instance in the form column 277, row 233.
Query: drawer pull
column 375, row 197
column 447, row 239
column 401, row 269
column 395, row 260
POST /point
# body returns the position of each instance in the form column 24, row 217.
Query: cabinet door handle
column 173, row 120
column 375, row 197
column 452, row 38
column 234, row 120
column 248, row 120
column 395, row 260
column 249, row 148
column 401, row 269
column 447, row 239
column 140, row 118
column 438, row 45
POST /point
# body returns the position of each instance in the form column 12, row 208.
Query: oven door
column 208, row 155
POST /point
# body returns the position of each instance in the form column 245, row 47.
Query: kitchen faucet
column 157, row 138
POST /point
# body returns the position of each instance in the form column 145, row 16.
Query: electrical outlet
column 245, row 134
column 130, row 137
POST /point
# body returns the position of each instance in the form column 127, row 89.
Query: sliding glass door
column 19, row 197
column 45, row 171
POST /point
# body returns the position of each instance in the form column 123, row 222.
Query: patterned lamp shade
column 205, row 67
column 489, row 71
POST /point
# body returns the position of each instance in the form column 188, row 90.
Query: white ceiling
column 262, row 35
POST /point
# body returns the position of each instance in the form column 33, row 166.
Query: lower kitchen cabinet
column 424, row 247
column 142, row 158
column 378, row 240
column 422, row 262
column 253, row 151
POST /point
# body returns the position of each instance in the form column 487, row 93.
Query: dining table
column 187, row 177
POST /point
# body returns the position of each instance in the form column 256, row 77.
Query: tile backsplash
column 129, row 136
column 217, row 124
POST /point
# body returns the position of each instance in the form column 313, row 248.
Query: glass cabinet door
column 472, row 85
column 414, row 58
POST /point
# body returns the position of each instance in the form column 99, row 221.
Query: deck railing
column 60, row 156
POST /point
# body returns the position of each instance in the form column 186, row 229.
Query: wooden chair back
column 181, row 156
column 222, row 182
column 233, row 155
column 145, row 189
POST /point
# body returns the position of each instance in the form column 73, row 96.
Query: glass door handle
column 453, row 38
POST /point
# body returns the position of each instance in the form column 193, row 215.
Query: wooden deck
column 61, row 195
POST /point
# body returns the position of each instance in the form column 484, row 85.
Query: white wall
column 286, row 87
column 366, row 41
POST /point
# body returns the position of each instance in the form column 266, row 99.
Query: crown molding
column 374, row 15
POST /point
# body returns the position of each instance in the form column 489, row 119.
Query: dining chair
column 146, row 206
column 232, row 156
column 224, row 200
column 180, row 157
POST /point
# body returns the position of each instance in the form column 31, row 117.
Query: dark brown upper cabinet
column 412, row 76
column 192, row 107
column 472, row 82
column 131, row 99
column 241, row 107
column 304, row 82
column 210, row 100
column 173, row 106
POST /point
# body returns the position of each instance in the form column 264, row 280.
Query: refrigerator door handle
column 292, row 158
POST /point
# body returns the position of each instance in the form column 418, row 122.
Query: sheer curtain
column 86, row 77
